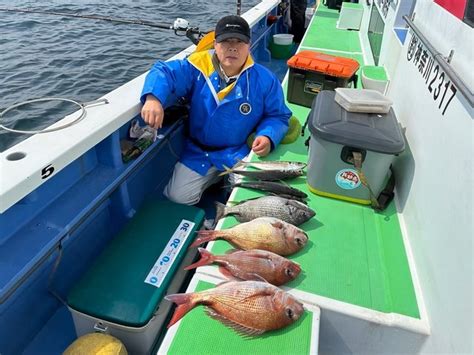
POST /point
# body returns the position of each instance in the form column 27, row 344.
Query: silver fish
column 267, row 175
column 273, row 187
column 290, row 211
column 272, row 165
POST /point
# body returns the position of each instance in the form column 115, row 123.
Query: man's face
column 232, row 54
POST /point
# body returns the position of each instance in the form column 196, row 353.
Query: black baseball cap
column 232, row 27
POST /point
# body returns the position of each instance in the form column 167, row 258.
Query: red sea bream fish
column 265, row 233
column 249, row 307
column 251, row 265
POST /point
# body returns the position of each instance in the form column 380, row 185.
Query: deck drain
column 16, row 156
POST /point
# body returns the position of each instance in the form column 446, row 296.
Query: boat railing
column 443, row 62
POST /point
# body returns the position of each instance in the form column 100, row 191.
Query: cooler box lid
column 324, row 63
column 371, row 131
column 128, row 280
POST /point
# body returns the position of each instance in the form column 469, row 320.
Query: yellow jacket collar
column 202, row 61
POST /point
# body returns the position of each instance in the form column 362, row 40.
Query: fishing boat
column 378, row 282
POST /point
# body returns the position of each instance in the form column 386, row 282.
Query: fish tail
column 184, row 302
column 206, row 259
column 240, row 162
column 227, row 171
column 232, row 185
column 205, row 236
column 220, row 211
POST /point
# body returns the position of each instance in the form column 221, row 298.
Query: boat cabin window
column 375, row 33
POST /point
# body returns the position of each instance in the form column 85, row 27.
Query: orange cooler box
column 312, row 72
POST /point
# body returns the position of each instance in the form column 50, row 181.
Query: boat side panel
column 32, row 304
column 436, row 177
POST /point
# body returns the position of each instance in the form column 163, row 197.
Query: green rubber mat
column 200, row 334
column 375, row 73
column 355, row 255
column 324, row 34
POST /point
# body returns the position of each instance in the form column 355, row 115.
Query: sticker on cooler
column 162, row 265
column 347, row 179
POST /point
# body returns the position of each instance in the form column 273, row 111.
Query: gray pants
column 186, row 186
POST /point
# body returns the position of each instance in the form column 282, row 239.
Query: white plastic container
column 137, row 340
column 362, row 100
column 283, row 39
column 308, row 15
column 350, row 16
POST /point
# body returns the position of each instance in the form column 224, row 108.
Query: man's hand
column 152, row 112
column 261, row 146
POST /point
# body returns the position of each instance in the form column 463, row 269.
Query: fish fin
column 236, row 184
column 227, row 170
column 184, row 302
column 294, row 198
column 263, row 292
column 240, row 162
column 206, row 236
column 233, row 202
column 232, row 251
column 228, row 186
column 206, row 259
column 250, row 199
column 283, row 182
column 223, row 282
column 220, row 211
column 257, row 277
column 278, row 224
column 238, row 328
column 259, row 253
column 226, row 273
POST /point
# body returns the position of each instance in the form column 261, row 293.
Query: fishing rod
column 180, row 26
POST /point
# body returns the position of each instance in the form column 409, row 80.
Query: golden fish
column 265, row 233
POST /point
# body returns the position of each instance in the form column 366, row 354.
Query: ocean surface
column 83, row 59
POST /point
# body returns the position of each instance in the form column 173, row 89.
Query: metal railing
column 444, row 64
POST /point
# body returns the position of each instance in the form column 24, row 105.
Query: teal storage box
column 122, row 292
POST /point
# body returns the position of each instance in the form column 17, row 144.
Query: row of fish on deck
column 267, row 233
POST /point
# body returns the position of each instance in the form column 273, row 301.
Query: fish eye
column 290, row 313
column 288, row 272
column 299, row 241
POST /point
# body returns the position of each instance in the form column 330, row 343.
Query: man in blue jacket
column 230, row 98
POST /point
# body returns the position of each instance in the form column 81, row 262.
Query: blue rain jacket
column 220, row 120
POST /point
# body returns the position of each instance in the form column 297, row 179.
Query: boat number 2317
column 437, row 82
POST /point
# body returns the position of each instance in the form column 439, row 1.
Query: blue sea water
column 82, row 59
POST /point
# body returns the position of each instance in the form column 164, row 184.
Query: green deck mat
column 324, row 34
column 374, row 72
column 355, row 255
column 200, row 334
